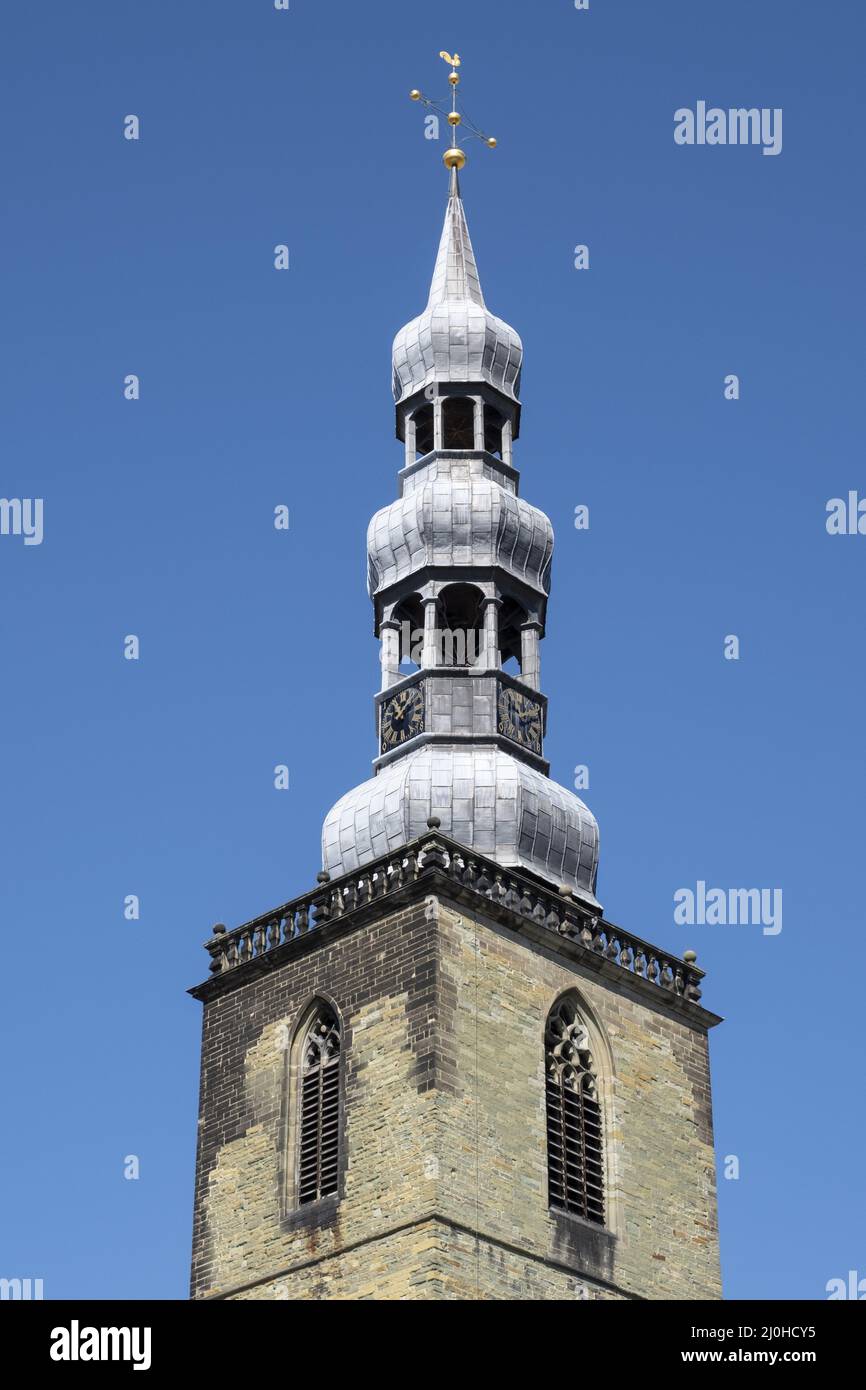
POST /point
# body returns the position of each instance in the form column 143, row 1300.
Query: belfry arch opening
column 458, row 423
column 512, row 616
column 423, row 420
column 460, row 619
column 409, row 613
column 493, row 425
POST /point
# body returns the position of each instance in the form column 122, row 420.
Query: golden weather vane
column 454, row 157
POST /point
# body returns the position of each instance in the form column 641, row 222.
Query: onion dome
column 485, row 799
column 456, row 338
column 455, row 517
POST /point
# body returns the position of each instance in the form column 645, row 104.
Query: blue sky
column 258, row 388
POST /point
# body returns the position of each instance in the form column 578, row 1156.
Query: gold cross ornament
column 454, row 157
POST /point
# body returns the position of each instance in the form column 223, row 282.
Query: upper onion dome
column 456, row 338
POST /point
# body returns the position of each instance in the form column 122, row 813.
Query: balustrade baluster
column 350, row 896
column 693, row 980
column 321, row 904
column 216, row 948
column 511, row 897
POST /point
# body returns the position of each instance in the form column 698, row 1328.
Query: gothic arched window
column 575, row 1152
column 319, row 1108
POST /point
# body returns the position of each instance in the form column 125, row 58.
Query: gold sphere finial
column 415, row 94
column 492, row 142
column 454, row 118
column 453, row 78
column 454, row 158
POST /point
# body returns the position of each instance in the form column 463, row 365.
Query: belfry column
column 492, row 606
column 507, row 441
column 390, row 652
column 430, row 649
column 530, row 657
column 478, row 422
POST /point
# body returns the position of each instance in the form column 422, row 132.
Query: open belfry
column 443, row 1073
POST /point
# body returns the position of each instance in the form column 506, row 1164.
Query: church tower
column 443, row 1073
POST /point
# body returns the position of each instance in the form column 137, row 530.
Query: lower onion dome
column 485, row 799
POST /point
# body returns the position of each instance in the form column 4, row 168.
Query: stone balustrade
column 505, row 893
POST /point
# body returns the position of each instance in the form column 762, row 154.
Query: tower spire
column 458, row 573
column 455, row 274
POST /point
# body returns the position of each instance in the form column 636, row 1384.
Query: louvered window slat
column 575, row 1154
column 319, row 1111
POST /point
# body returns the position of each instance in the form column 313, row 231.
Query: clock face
column 520, row 718
column 402, row 717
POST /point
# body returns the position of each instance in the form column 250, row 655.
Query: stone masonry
column 443, row 1188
